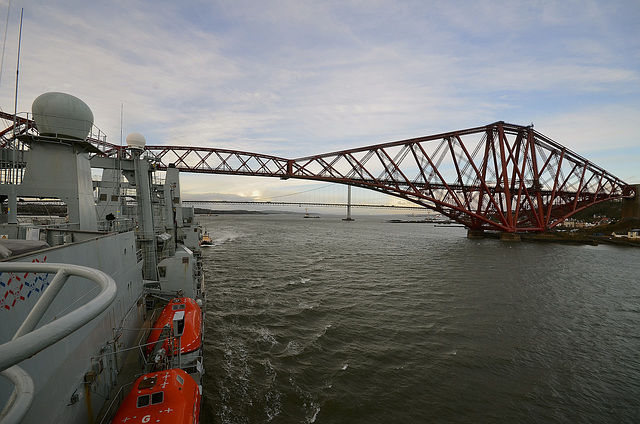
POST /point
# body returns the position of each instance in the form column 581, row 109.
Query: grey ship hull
column 59, row 371
column 130, row 226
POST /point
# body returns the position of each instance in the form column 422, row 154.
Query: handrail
column 22, row 397
column 28, row 341
column 117, row 400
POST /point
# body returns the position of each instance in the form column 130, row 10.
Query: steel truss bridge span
column 501, row 176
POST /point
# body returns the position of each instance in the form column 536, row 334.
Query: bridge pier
column 510, row 237
column 631, row 207
column 475, row 234
column 479, row 234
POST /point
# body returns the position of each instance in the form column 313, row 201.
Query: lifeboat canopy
column 170, row 396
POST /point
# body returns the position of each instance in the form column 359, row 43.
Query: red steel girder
column 217, row 161
column 500, row 176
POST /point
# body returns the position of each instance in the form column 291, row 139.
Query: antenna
column 119, row 210
column 15, row 104
column 15, row 109
column 13, row 198
column 4, row 40
column 121, row 118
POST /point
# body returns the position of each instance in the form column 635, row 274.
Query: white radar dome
column 62, row 115
column 136, row 141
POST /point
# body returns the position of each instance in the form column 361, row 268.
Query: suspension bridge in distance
column 328, row 195
column 202, row 203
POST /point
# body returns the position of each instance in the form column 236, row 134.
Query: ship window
column 178, row 307
column 162, row 271
column 143, row 401
column 180, row 379
column 157, row 398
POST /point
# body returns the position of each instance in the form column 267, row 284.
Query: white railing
column 28, row 341
column 115, row 403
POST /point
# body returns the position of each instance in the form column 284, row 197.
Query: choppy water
column 325, row 321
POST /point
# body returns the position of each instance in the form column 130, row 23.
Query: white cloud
column 291, row 78
column 594, row 128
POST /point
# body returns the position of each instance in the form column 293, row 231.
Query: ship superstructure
column 126, row 231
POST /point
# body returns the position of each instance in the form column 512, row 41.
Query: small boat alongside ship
column 177, row 335
column 81, row 297
column 206, row 239
column 171, row 389
column 170, row 396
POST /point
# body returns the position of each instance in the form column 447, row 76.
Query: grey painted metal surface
column 28, row 341
column 73, row 374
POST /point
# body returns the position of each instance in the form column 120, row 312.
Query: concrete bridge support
column 510, row 237
column 475, row 234
column 631, row 207
column 479, row 234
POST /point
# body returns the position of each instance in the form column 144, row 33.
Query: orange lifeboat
column 169, row 396
column 188, row 315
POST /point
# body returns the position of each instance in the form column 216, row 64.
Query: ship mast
column 13, row 198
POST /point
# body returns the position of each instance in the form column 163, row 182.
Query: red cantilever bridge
column 501, row 176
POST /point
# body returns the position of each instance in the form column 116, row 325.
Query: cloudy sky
column 293, row 78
